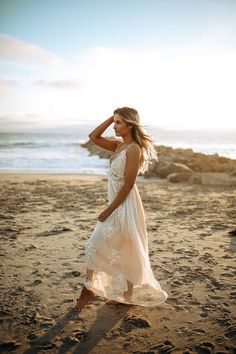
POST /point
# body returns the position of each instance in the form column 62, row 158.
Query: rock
column 138, row 321
column 158, row 165
column 55, row 231
column 179, row 161
column 170, row 168
column 30, row 247
column 217, row 179
column 232, row 174
column 179, row 177
column 195, row 179
column 96, row 150
column 152, row 167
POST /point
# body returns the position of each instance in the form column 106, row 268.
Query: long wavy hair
column 140, row 136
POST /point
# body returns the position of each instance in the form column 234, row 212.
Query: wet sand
column 45, row 222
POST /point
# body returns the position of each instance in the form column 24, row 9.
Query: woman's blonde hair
column 148, row 152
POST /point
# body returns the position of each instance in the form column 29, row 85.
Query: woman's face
column 120, row 126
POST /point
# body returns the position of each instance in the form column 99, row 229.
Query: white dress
column 117, row 250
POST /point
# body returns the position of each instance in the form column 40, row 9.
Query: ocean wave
column 37, row 145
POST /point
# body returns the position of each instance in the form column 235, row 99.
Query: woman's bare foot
column 86, row 296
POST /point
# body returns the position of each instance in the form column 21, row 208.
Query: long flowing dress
column 117, row 250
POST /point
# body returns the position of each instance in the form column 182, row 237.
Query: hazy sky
column 73, row 61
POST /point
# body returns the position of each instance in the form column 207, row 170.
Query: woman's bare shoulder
column 133, row 150
column 134, row 147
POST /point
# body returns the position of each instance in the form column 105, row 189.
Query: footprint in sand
column 9, row 345
column 231, row 332
column 36, row 282
column 223, row 320
column 194, row 302
column 226, row 256
column 228, row 275
column 165, row 347
column 177, row 282
column 206, row 348
column 198, row 331
column 215, row 297
column 204, row 314
column 232, row 295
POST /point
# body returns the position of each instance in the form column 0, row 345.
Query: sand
column 45, row 222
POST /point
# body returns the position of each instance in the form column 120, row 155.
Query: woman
column 117, row 260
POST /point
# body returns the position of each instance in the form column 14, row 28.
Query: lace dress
column 117, row 250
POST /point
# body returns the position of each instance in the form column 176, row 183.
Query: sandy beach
column 45, row 222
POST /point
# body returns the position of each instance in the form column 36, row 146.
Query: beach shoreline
column 46, row 220
column 49, row 173
column 68, row 175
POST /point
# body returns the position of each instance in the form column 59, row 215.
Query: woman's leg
column 86, row 295
column 89, row 277
column 128, row 293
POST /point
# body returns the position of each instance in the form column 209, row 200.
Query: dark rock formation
column 183, row 165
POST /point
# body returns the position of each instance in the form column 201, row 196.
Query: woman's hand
column 104, row 215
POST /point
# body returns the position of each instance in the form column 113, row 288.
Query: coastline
column 49, row 173
column 8, row 175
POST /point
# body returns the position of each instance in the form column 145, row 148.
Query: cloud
column 13, row 122
column 25, row 53
column 178, row 88
column 7, row 87
column 65, row 84
column 20, row 121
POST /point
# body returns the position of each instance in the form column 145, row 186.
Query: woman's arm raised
column 132, row 167
column 96, row 138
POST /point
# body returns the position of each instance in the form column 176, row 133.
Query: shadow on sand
column 107, row 317
column 44, row 341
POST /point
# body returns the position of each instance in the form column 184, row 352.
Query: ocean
column 60, row 151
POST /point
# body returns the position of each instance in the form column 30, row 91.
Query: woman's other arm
column 132, row 167
column 96, row 138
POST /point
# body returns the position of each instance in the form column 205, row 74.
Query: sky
column 69, row 62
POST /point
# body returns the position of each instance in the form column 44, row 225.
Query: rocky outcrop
column 183, row 165
column 96, row 150
column 166, row 168
column 217, row 179
column 179, row 177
